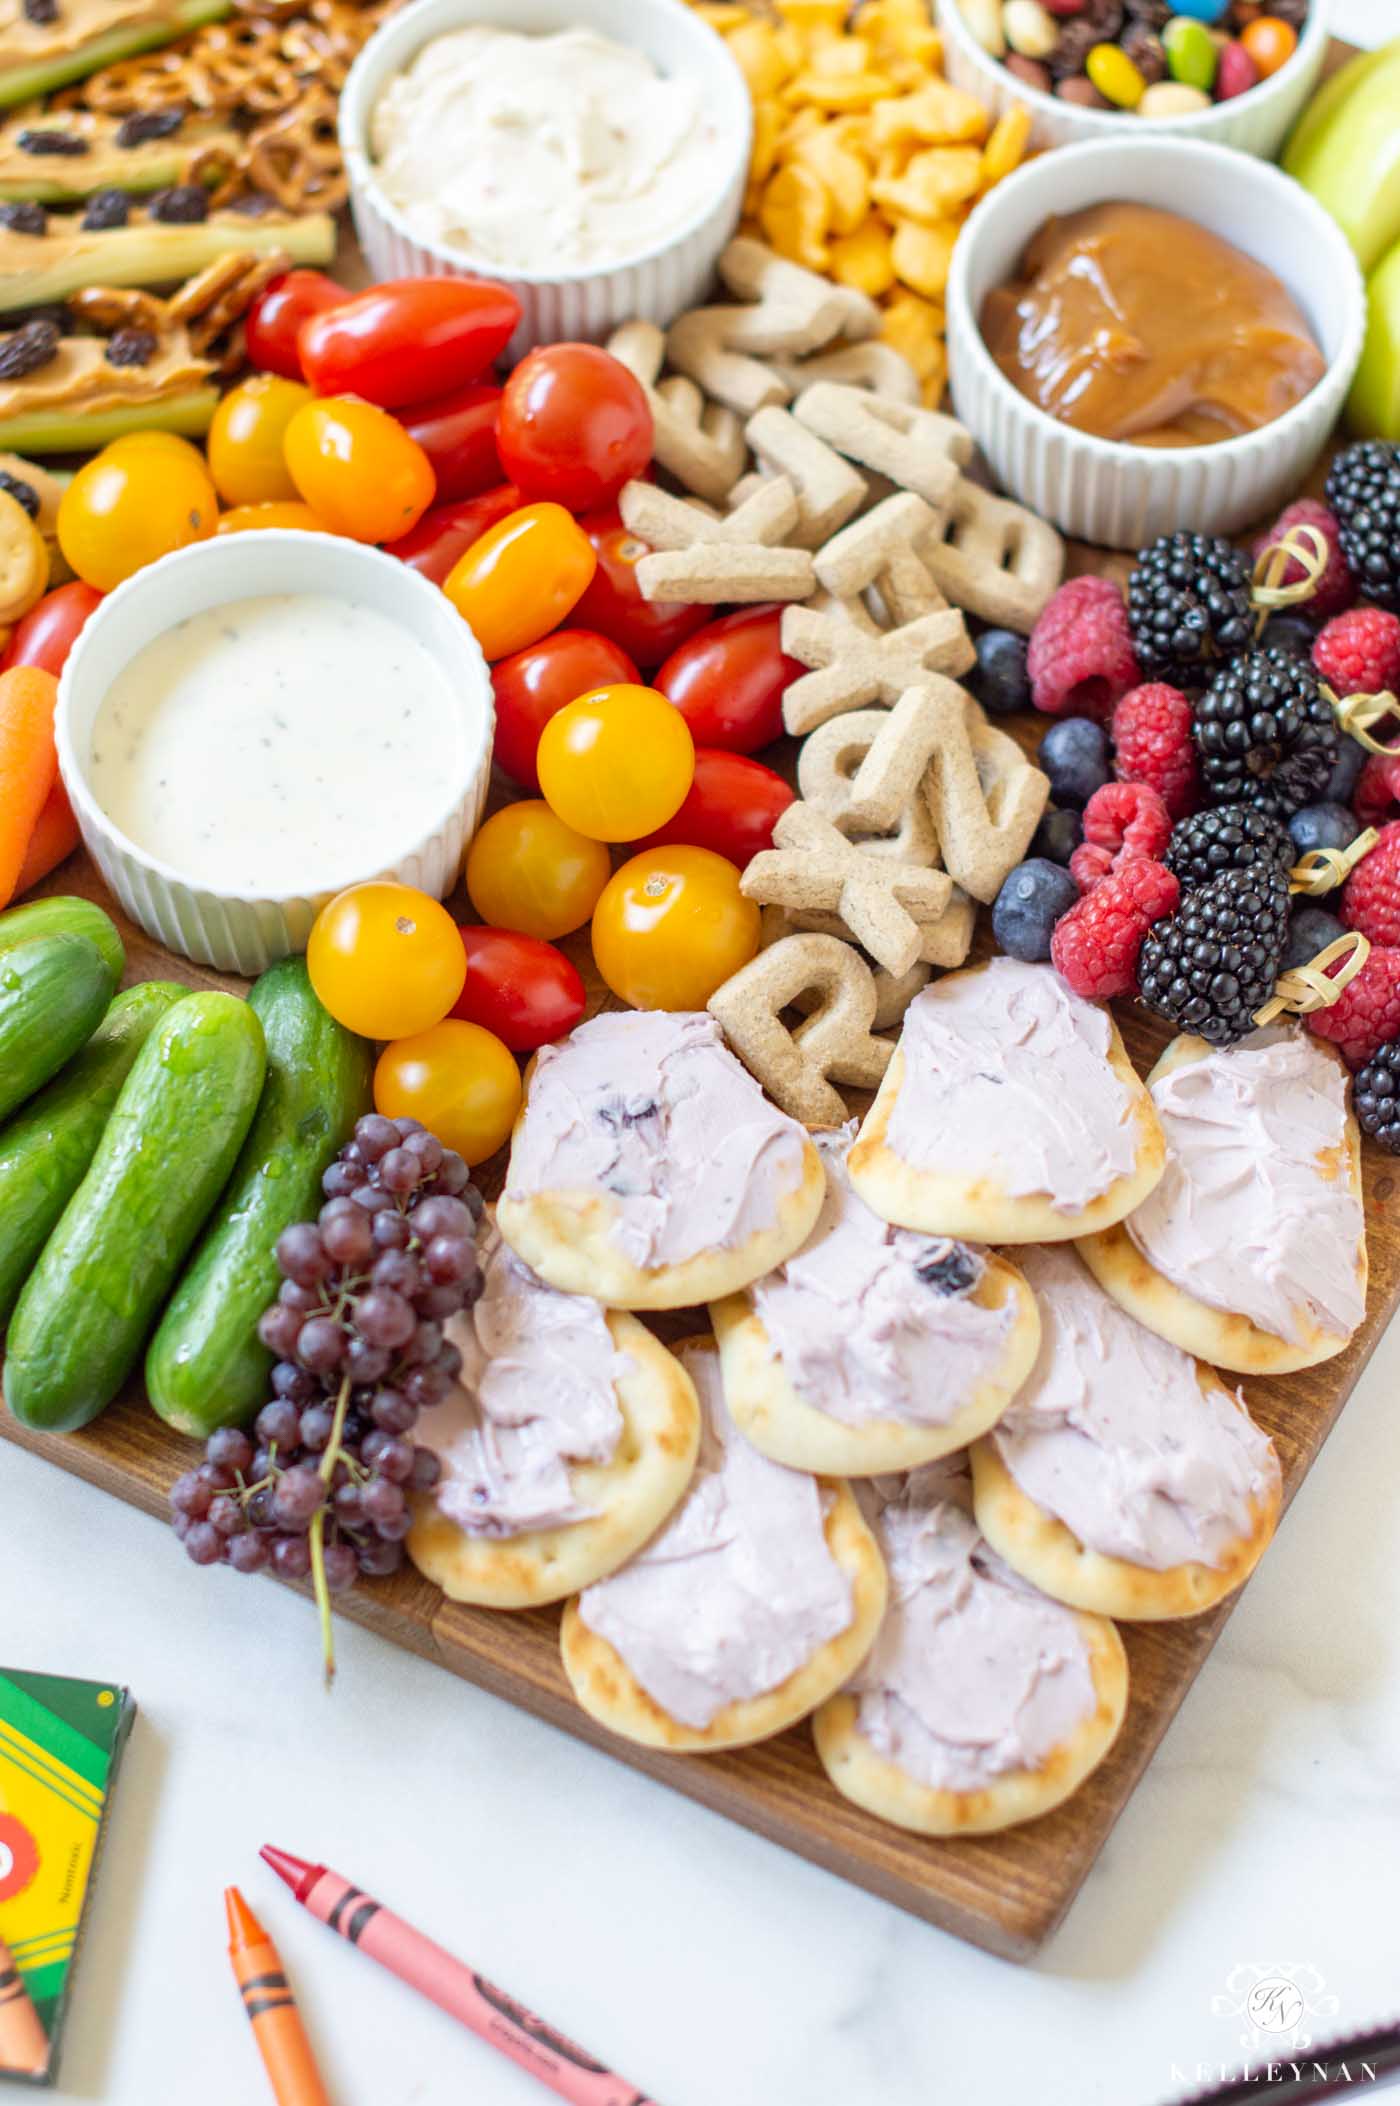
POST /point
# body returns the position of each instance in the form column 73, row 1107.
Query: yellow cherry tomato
column 672, row 926
column 358, row 469
column 617, row 762
column 527, row 870
column 133, row 502
column 386, row 960
column 246, row 437
column 287, row 512
column 521, row 578
column 459, row 1080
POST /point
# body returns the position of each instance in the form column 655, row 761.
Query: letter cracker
column 882, row 553
column 829, row 490
column 700, row 443
column 995, row 558
column 834, row 1043
column 853, row 665
column 699, row 556
column 920, row 449
column 813, row 867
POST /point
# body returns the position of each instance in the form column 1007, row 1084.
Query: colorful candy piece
column 1115, row 76
column 1192, row 54
column 1237, row 72
column 983, row 18
column 1030, row 28
column 1270, row 42
column 1202, row 10
column 1173, row 98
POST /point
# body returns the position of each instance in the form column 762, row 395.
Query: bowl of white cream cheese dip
column 590, row 154
column 251, row 724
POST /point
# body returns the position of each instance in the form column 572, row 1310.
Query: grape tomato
column 528, row 871
column 614, row 603
column 458, row 434
column 616, row 763
column 672, row 925
column 46, row 635
column 728, row 680
column 446, row 532
column 408, row 340
column 458, row 1080
column 357, row 469
column 535, row 684
column 521, row 578
column 731, row 807
column 132, row 503
column 386, row 960
column 274, row 320
column 575, row 425
column 245, row 443
column 524, row 990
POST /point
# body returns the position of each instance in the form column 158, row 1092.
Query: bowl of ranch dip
column 250, row 725
column 591, row 154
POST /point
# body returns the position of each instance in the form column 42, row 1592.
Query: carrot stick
column 28, row 764
column 55, row 836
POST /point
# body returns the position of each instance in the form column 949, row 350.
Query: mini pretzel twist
column 110, row 307
column 295, row 156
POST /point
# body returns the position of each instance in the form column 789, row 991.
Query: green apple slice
column 1349, row 157
column 1373, row 406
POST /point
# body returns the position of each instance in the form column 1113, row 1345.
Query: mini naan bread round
column 872, row 1348
column 569, row 1438
column 1126, row 1479
column 648, row 1169
column 982, row 1703
column 1010, row 1113
column 1251, row 1252
column 754, row 1604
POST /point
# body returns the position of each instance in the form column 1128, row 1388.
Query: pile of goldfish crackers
column 866, row 161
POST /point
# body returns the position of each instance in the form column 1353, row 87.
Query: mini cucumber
column 53, row 993
column 206, row 1366
column 64, row 915
column 46, row 1148
column 169, row 1145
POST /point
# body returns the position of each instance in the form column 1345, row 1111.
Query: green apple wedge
column 1345, row 152
column 1373, row 406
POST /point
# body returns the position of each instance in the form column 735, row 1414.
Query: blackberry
column 1189, row 607
column 1232, row 837
column 1363, row 490
column 1376, row 1097
column 1292, row 633
column 1210, row 966
column 1265, row 734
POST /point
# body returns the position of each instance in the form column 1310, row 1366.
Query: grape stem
column 318, row 1533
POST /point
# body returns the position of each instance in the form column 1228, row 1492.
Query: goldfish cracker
column 935, row 183
column 797, row 126
column 836, row 88
column 1006, row 146
column 903, row 26
column 767, row 128
column 864, row 259
column 795, row 216
column 913, row 326
column 932, row 383
column 814, row 19
column 841, row 57
column 923, row 255
column 937, row 115
column 760, row 58
column 842, row 174
column 722, row 15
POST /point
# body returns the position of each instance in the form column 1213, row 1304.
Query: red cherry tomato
column 534, row 684
column 446, row 532
column 45, row 635
column 409, row 340
column 522, row 989
column 729, row 678
column 730, row 808
column 274, row 320
column 613, row 604
column 575, row 426
column 458, row 434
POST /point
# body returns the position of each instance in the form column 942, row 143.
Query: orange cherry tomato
column 671, row 927
column 245, row 440
column 287, row 512
column 386, row 960
column 459, row 1080
column 520, row 580
column 1270, row 42
column 357, row 467
column 527, row 870
column 616, row 763
column 135, row 501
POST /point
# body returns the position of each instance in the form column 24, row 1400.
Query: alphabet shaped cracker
column 754, row 272
column 698, row 442
column 875, row 365
column 829, row 490
column 834, row 1043
column 855, row 663
column 995, row 558
column 726, row 349
column 697, row 555
column 882, row 553
column 701, row 345
column 920, row 449
column 827, row 768
column 944, row 943
column 893, row 991
column 813, row 867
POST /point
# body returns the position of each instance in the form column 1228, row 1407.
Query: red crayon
column 465, row 1995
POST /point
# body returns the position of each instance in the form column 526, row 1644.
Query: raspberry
column 1081, row 655
column 1122, row 819
column 1359, row 653
column 1371, row 895
column 1095, row 946
column 1335, row 588
column 1152, row 743
column 1367, row 1016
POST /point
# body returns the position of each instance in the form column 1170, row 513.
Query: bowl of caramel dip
column 1147, row 335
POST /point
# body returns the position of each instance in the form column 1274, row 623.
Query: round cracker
column 1048, row 1554
column 869, row 1779
column 607, row 1689
column 979, row 1209
column 771, row 1413
column 1223, row 1337
column 631, row 1495
column 24, row 560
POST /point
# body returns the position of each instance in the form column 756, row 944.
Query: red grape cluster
column 323, row 1479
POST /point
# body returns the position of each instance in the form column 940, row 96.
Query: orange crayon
column 24, row 2045
column 271, row 2008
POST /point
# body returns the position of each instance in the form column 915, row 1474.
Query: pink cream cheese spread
column 974, row 1673
column 1243, row 1219
column 535, row 1397
column 1006, row 1075
column 1113, row 1435
column 738, row 1590
column 653, row 1109
column 874, row 1322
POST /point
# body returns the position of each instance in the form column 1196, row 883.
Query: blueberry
column 1289, row 632
column 1310, row 931
column 1351, row 759
column 1074, row 754
column 999, row 678
column 1323, row 826
column 1057, row 836
column 1028, row 906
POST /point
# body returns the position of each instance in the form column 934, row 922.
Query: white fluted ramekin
column 1254, row 123
column 1122, row 495
column 245, row 931
column 655, row 285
